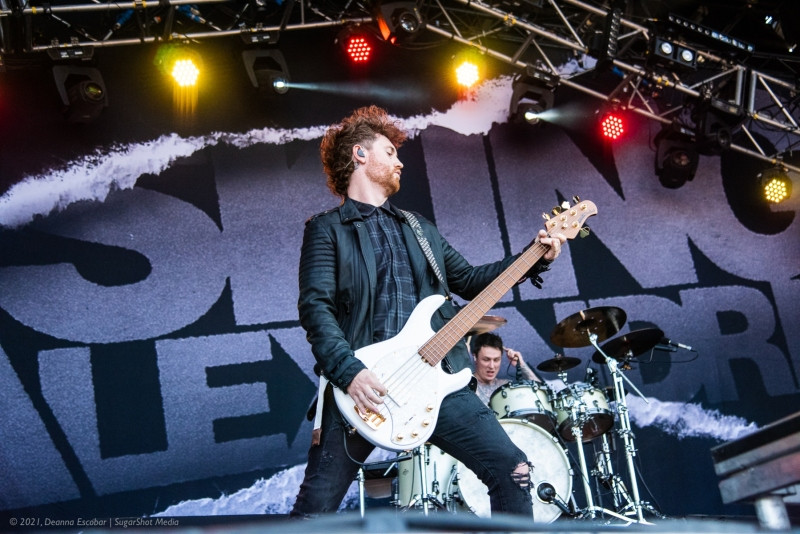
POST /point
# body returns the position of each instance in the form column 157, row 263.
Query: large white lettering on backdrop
column 262, row 206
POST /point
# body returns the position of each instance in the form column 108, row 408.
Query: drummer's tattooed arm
column 515, row 356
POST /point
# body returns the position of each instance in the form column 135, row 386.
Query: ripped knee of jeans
column 521, row 475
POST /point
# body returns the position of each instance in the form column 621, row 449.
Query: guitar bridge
column 372, row 419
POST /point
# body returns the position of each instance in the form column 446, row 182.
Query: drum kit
column 548, row 426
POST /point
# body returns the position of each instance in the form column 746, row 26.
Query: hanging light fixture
column 775, row 184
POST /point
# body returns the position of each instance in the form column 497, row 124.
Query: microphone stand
column 625, row 423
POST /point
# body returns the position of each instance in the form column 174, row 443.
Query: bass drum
column 550, row 465
column 440, row 474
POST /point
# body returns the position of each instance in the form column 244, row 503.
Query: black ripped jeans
column 467, row 429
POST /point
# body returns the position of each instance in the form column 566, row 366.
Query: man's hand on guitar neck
column 554, row 243
column 365, row 390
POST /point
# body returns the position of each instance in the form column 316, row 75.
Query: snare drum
column 550, row 465
column 440, row 474
column 592, row 413
column 527, row 399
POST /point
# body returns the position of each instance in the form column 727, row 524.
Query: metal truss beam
column 645, row 84
column 523, row 34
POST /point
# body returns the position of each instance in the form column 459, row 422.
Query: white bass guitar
column 409, row 365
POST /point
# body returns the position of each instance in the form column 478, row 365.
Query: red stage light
column 612, row 126
column 358, row 48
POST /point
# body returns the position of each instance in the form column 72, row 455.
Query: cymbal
column 603, row 321
column 487, row 323
column 558, row 363
column 630, row 345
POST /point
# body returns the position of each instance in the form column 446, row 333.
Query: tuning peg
column 584, row 231
column 564, row 206
column 545, row 216
column 576, row 199
column 556, row 210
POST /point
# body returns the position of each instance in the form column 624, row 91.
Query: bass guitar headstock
column 570, row 220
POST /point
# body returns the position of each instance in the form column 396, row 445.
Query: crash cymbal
column 630, row 345
column 558, row 363
column 487, row 323
column 603, row 321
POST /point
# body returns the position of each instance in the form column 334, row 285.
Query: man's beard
column 386, row 181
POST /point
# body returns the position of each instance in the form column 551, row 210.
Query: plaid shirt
column 396, row 292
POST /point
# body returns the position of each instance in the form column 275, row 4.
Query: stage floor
column 382, row 521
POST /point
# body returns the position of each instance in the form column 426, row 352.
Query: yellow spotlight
column 776, row 184
column 467, row 73
column 180, row 62
column 182, row 65
column 185, row 72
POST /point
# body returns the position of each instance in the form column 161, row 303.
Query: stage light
column 676, row 157
column 82, row 92
column 776, row 184
column 716, row 120
column 180, row 62
column 604, row 46
column 675, row 53
column 356, row 45
column 267, row 70
column 467, row 73
column 612, row 125
column 398, row 21
column 358, row 49
column 185, row 72
column 531, row 95
column 183, row 65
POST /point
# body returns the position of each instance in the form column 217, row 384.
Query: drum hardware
column 558, row 364
column 605, row 475
column 588, row 327
column 570, row 427
column 603, row 322
column 572, row 413
column 630, row 345
column 413, row 489
column 385, row 467
column 625, row 431
column 623, row 349
column 594, row 417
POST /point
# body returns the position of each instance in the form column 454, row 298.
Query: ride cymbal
column 558, row 363
column 630, row 345
column 574, row 331
column 487, row 323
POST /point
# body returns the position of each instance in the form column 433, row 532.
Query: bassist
column 362, row 272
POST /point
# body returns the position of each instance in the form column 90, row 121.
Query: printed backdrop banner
column 150, row 350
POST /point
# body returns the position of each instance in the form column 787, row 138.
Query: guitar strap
column 426, row 247
column 316, row 433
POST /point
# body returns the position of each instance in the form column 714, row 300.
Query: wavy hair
column 360, row 128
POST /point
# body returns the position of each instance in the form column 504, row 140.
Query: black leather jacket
column 338, row 279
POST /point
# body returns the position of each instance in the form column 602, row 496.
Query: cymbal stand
column 625, row 422
column 578, row 419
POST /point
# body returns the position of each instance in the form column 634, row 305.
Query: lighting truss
column 543, row 34
column 663, row 93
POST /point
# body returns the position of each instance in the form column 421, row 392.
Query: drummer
column 488, row 352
